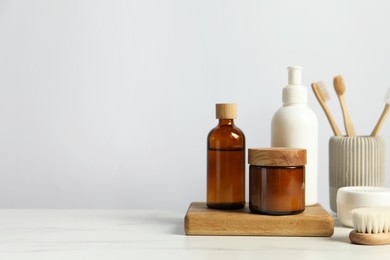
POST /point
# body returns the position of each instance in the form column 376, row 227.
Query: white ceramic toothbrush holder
column 355, row 161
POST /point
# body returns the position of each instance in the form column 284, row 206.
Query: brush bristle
column 323, row 90
column 371, row 220
column 387, row 97
column 339, row 85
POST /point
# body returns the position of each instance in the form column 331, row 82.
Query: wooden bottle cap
column 226, row 111
column 277, row 156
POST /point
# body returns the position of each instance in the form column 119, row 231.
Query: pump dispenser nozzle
column 295, row 75
column 294, row 92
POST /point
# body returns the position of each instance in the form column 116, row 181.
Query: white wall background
column 107, row 104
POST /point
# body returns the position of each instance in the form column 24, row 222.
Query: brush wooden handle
column 381, row 120
column 369, row 239
column 332, row 123
column 349, row 128
column 339, row 84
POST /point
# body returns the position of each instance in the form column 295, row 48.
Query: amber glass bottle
column 226, row 161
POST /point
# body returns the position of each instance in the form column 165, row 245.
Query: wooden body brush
column 340, row 88
column 371, row 226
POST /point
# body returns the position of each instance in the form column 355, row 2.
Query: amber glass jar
column 277, row 180
column 226, row 161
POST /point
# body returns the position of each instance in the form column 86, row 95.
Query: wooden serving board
column 313, row 222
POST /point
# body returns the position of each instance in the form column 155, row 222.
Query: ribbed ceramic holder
column 355, row 161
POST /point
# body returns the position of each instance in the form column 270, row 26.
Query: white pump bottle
column 295, row 125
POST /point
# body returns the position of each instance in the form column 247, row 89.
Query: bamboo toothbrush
column 371, row 226
column 386, row 111
column 340, row 88
column 321, row 92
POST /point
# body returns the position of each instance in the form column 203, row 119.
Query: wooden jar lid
column 277, row 156
column 226, row 111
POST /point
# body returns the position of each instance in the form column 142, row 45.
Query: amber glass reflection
column 226, row 166
column 277, row 190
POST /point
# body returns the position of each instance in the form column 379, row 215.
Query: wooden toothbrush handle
column 332, row 123
column 347, row 119
column 381, row 120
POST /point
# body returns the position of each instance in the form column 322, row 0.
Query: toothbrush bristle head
column 387, row 97
column 339, row 85
column 323, row 90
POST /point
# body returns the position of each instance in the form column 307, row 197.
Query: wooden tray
column 313, row 222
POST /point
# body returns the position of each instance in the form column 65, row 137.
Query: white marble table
column 139, row 234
